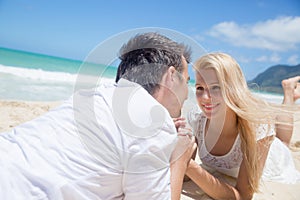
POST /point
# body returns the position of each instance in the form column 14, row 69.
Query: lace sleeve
column 193, row 117
column 264, row 130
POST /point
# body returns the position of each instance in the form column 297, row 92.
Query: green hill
column 270, row 79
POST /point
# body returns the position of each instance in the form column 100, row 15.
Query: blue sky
column 257, row 33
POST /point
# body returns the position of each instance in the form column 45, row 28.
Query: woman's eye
column 215, row 87
column 199, row 88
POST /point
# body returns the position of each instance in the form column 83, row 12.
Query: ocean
column 36, row 77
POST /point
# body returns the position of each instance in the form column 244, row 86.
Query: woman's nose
column 206, row 94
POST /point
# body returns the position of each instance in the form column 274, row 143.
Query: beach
column 15, row 112
column 32, row 84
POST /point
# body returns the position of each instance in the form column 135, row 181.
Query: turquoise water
column 37, row 77
column 10, row 57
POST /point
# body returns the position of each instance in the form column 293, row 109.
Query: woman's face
column 208, row 93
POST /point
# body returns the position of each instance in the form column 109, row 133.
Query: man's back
column 84, row 150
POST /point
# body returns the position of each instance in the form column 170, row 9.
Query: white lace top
column 228, row 164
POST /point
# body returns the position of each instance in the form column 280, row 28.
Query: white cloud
column 275, row 58
column 262, row 59
column 293, row 59
column 280, row 34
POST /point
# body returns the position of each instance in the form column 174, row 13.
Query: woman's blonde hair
column 249, row 109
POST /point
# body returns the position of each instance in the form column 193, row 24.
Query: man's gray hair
column 146, row 57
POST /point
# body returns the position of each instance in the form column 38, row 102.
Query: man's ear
column 168, row 77
column 172, row 72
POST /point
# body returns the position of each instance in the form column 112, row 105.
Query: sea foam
column 39, row 85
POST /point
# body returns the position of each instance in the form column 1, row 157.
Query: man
column 114, row 142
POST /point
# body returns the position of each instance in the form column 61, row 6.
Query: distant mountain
column 270, row 79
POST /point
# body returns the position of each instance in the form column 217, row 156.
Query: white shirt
column 114, row 142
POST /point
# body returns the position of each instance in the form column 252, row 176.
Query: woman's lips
column 209, row 107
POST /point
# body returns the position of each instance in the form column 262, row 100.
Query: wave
column 49, row 76
column 39, row 85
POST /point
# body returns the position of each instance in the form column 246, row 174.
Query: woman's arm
column 220, row 190
column 179, row 162
column 209, row 184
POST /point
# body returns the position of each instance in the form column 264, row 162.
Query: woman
column 235, row 132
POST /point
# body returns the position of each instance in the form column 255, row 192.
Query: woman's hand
column 179, row 122
column 185, row 142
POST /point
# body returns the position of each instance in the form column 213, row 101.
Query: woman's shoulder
column 264, row 130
